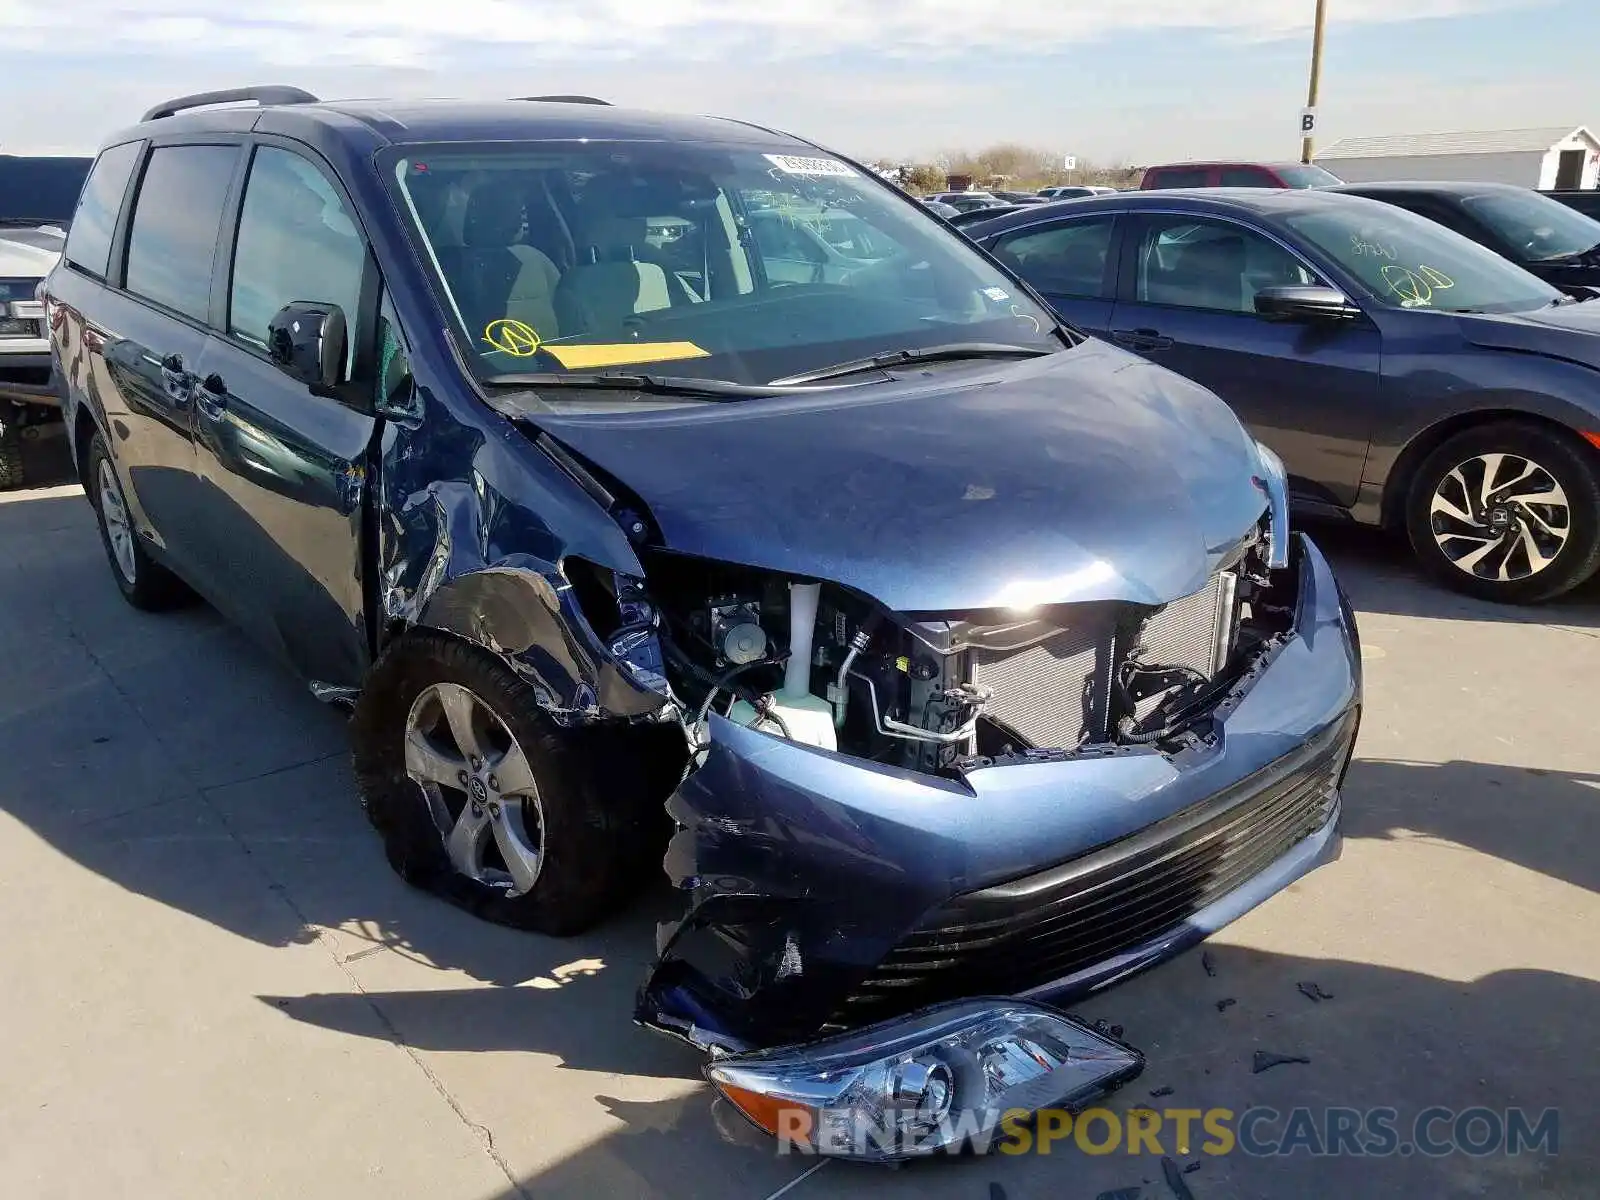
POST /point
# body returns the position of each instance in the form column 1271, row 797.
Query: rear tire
column 1507, row 512
column 143, row 582
column 550, row 841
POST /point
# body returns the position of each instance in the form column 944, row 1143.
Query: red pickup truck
column 1236, row 174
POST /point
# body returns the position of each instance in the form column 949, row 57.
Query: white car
column 28, row 398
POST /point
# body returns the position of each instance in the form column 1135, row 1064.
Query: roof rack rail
column 274, row 94
column 565, row 99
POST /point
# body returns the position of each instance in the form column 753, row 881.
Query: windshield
column 1408, row 261
column 1537, row 227
column 727, row 262
column 1304, row 175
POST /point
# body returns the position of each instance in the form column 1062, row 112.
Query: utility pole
column 1307, row 145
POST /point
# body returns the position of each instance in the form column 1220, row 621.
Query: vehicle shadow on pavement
column 1380, row 575
column 1380, row 1036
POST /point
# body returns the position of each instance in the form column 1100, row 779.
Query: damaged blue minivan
column 662, row 485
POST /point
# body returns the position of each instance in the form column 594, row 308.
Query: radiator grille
column 1008, row 939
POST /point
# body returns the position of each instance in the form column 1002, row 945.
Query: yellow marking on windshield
column 515, row 338
column 578, row 358
column 1436, row 278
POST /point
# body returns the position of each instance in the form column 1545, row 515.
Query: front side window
column 172, row 242
column 297, row 242
column 1214, row 265
column 1065, row 260
column 728, row 262
column 1407, row 261
column 89, row 242
column 1538, row 228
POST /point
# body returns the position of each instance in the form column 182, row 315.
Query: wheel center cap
column 479, row 792
column 1500, row 520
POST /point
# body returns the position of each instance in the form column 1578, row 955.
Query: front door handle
column 177, row 382
column 1141, row 339
column 212, row 396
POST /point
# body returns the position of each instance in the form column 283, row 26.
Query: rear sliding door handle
column 212, row 396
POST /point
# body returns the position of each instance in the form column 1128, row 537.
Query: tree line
column 1009, row 165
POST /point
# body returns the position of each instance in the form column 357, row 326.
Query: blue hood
column 1084, row 475
column 1569, row 331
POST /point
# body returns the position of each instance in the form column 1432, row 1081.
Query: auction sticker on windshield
column 795, row 165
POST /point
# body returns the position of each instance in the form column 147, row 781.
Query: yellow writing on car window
column 1437, row 279
column 515, row 338
column 578, row 358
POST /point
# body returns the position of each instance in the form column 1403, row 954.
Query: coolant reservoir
column 809, row 719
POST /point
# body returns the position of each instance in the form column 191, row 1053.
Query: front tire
column 143, row 582
column 483, row 800
column 1508, row 512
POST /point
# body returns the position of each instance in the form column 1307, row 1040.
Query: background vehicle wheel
column 1508, row 512
column 144, row 583
column 483, row 800
column 10, row 447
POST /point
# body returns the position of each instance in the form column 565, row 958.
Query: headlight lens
column 941, row 1079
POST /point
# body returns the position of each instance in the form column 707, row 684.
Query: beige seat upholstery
column 492, row 275
column 610, row 283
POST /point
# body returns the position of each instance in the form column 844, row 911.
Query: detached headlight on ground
column 942, row 1079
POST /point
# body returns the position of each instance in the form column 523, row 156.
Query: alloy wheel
column 1500, row 517
column 479, row 786
column 119, row 530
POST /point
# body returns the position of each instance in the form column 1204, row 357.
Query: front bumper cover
column 817, row 881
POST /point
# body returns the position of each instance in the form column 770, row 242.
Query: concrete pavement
column 215, row 986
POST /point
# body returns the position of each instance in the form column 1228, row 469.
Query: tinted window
column 1538, row 228
column 1065, row 260
column 1250, row 177
column 1408, row 261
column 173, row 240
column 297, row 241
column 89, row 243
column 1307, row 175
column 1198, row 177
column 1211, row 264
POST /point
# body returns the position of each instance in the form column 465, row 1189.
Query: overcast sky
column 1108, row 80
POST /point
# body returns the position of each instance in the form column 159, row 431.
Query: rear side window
column 89, row 242
column 1185, row 178
column 1249, row 177
column 173, row 241
column 1065, row 260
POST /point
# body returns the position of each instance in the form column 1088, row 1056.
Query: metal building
column 1550, row 157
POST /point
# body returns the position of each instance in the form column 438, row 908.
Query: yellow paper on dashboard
column 622, row 354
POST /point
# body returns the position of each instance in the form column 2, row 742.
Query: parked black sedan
column 1556, row 242
column 1407, row 376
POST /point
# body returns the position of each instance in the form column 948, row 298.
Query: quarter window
column 173, row 241
column 297, row 242
column 1065, row 260
column 89, row 241
column 1212, row 264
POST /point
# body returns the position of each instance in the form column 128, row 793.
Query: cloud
column 432, row 33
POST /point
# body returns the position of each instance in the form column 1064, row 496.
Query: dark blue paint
column 782, row 841
column 1084, row 475
column 1341, row 405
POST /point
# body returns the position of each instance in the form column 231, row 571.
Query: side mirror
column 1301, row 303
column 307, row 340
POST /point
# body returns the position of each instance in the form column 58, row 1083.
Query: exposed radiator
column 1056, row 692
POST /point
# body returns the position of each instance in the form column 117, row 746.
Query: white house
column 1551, row 157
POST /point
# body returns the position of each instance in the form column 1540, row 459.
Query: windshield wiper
column 656, row 385
column 952, row 352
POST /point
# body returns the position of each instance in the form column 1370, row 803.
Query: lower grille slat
column 1012, row 938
